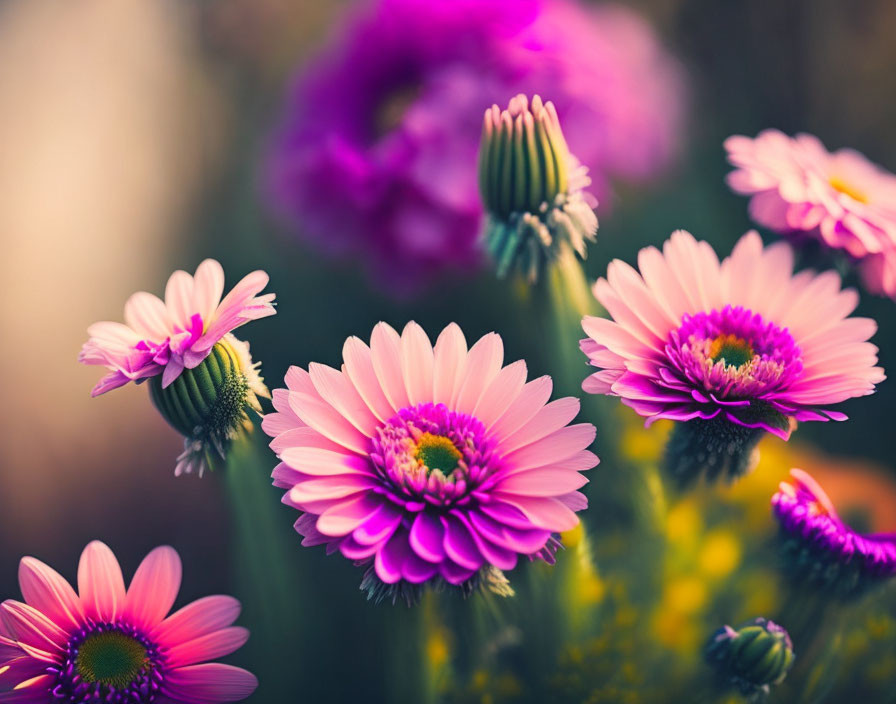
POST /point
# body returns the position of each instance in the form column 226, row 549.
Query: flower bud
column 532, row 188
column 209, row 404
column 753, row 657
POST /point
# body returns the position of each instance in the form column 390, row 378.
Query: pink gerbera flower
column 732, row 349
column 108, row 644
column 203, row 378
column 840, row 199
column 428, row 464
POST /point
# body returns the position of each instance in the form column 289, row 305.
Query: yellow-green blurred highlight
column 627, row 620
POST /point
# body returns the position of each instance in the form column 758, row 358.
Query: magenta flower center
column 734, row 353
column 181, row 341
column 111, row 663
column 429, row 455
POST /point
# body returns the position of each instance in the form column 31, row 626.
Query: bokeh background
column 131, row 135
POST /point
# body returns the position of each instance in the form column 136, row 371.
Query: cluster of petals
column 39, row 636
column 166, row 337
column 798, row 350
column 804, row 511
column 346, row 441
column 839, row 198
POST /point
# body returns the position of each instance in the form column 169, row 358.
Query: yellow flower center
column 843, row 187
column 436, row 452
column 733, row 351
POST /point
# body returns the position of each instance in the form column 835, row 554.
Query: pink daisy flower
column 732, row 349
column 428, row 464
column 108, row 644
column 203, row 378
column 840, row 199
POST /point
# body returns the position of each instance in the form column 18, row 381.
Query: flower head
column 532, row 188
column 108, row 644
column 734, row 348
column 819, row 548
column 840, row 199
column 428, row 464
column 203, row 379
column 753, row 657
column 373, row 157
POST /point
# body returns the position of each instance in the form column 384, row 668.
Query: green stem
column 266, row 581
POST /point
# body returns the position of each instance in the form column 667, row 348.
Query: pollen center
column 436, row 452
column 843, row 187
column 733, row 351
column 111, row 658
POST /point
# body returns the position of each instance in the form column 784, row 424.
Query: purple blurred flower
column 376, row 153
column 820, row 547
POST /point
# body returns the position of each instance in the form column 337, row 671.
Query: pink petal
column 197, row 619
column 549, row 419
column 504, row 389
column 385, row 348
column 390, row 559
column 336, row 389
column 324, row 463
column 36, row 691
column 209, row 682
column 417, row 363
column 554, row 448
column 359, row 368
column 305, row 437
column 46, row 590
column 100, row 583
column 326, row 420
column 208, row 285
column 483, row 363
column 450, row 357
column 542, row 482
column 459, row 544
column 533, row 396
column 326, row 488
column 344, row 517
column 427, row 536
column 179, row 298
column 208, row 647
column 542, row 512
column 147, row 315
column 154, row 587
column 29, row 627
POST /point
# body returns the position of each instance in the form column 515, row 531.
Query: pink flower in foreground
column 108, row 644
column 840, row 199
column 733, row 349
column 428, row 464
column 203, row 378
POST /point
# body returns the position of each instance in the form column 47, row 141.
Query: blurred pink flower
column 840, row 199
column 108, row 644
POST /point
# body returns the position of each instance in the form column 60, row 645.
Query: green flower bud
column 209, row 404
column 753, row 657
column 532, row 188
